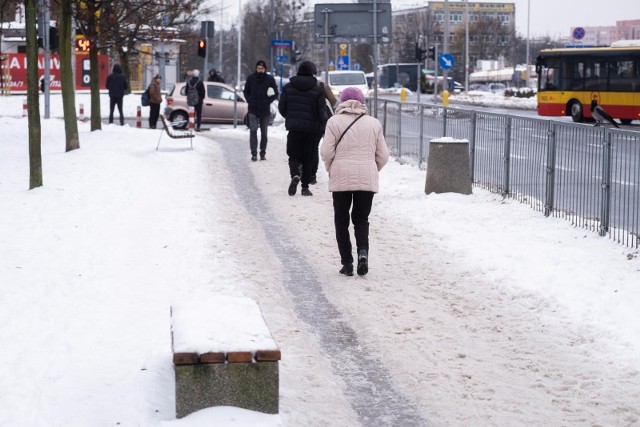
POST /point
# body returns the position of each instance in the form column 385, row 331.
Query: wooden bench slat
column 185, row 358
column 239, row 357
column 212, row 357
column 268, row 355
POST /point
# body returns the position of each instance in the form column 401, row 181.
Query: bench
column 223, row 355
column 175, row 134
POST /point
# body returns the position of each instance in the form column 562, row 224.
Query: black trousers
column 362, row 201
column 300, row 147
column 256, row 122
column 113, row 101
column 198, row 113
column 154, row 114
column 316, row 157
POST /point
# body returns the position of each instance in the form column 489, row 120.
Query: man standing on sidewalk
column 260, row 90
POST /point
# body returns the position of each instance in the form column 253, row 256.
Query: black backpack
column 192, row 95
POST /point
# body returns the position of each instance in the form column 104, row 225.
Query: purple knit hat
column 351, row 93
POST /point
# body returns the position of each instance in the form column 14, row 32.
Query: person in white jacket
column 354, row 151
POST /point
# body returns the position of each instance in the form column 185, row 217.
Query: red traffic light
column 202, row 47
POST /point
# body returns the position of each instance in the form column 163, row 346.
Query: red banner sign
column 17, row 64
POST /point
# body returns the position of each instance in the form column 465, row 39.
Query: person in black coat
column 197, row 83
column 257, row 93
column 300, row 104
column 117, row 86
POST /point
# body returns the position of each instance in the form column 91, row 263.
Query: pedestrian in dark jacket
column 259, row 96
column 197, row 83
column 215, row 76
column 300, row 104
column 117, row 86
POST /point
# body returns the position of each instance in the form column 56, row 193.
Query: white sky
column 548, row 17
column 482, row 311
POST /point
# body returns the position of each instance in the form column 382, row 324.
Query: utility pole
column 445, row 72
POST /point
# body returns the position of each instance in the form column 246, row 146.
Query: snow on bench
column 175, row 134
column 223, row 355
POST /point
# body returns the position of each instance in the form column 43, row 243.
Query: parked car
column 218, row 106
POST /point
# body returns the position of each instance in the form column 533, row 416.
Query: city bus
column 568, row 79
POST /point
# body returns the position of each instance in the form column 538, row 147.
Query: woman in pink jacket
column 353, row 151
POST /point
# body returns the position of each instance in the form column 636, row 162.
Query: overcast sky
column 548, row 17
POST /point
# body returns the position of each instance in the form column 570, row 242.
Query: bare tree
column 33, row 103
column 66, row 76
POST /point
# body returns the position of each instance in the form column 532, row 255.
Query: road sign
column 579, row 33
column 446, row 61
column 352, row 23
column 282, row 43
column 282, row 58
column 343, row 62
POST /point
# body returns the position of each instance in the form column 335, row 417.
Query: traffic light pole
column 435, row 67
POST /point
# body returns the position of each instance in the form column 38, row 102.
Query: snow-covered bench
column 223, row 355
column 175, row 134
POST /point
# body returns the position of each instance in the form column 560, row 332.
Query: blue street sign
column 282, row 43
column 343, row 62
column 446, row 61
column 282, row 58
column 579, row 33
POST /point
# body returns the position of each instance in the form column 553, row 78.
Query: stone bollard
column 448, row 166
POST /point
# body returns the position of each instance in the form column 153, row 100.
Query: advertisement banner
column 17, row 64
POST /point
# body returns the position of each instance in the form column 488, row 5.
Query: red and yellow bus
column 568, row 79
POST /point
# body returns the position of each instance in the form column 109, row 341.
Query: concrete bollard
column 139, row 117
column 192, row 116
column 24, row 107
column 448, row 166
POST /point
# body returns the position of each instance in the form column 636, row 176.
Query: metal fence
column 588, row 175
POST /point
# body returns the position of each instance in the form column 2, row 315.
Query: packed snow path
column 369, row 387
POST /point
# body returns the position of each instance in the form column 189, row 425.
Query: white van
column 339, row 80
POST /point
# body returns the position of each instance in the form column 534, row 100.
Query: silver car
column 219, row 105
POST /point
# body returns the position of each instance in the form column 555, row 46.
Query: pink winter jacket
column 354, row 165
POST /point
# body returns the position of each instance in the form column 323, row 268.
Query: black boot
column 293, row 186
column 306, row 192
column 363, row 263
column 347, row 269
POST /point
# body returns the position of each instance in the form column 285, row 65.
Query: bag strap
column 345, row 131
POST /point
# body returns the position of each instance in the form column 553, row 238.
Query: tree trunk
column 96, row 124
column 33, row 102
column 66, row 77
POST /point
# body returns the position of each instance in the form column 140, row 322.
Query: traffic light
column 202, row 47
column 421, row 54
column 432, row 53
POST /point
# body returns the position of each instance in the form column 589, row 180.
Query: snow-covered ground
column 476, row 310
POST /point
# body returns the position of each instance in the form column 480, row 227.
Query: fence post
column 400, row 129
column 421, row 156
column 507, row 159
column 472, row 146
column 444, row 121
column 551, row 168
column 605, row 208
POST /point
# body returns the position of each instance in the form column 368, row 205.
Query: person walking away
column 331, row 102
column 195, row 84
column 155, row 99
column 117, row 85
column 256, row 92
column 354, row 151
column 300, row 104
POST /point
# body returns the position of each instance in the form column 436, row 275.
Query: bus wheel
column 626, row 121
column 576, row 111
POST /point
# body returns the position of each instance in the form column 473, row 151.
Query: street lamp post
column 528, row 21
column 466, row 47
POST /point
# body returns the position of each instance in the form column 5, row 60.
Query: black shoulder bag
column 345, row 131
